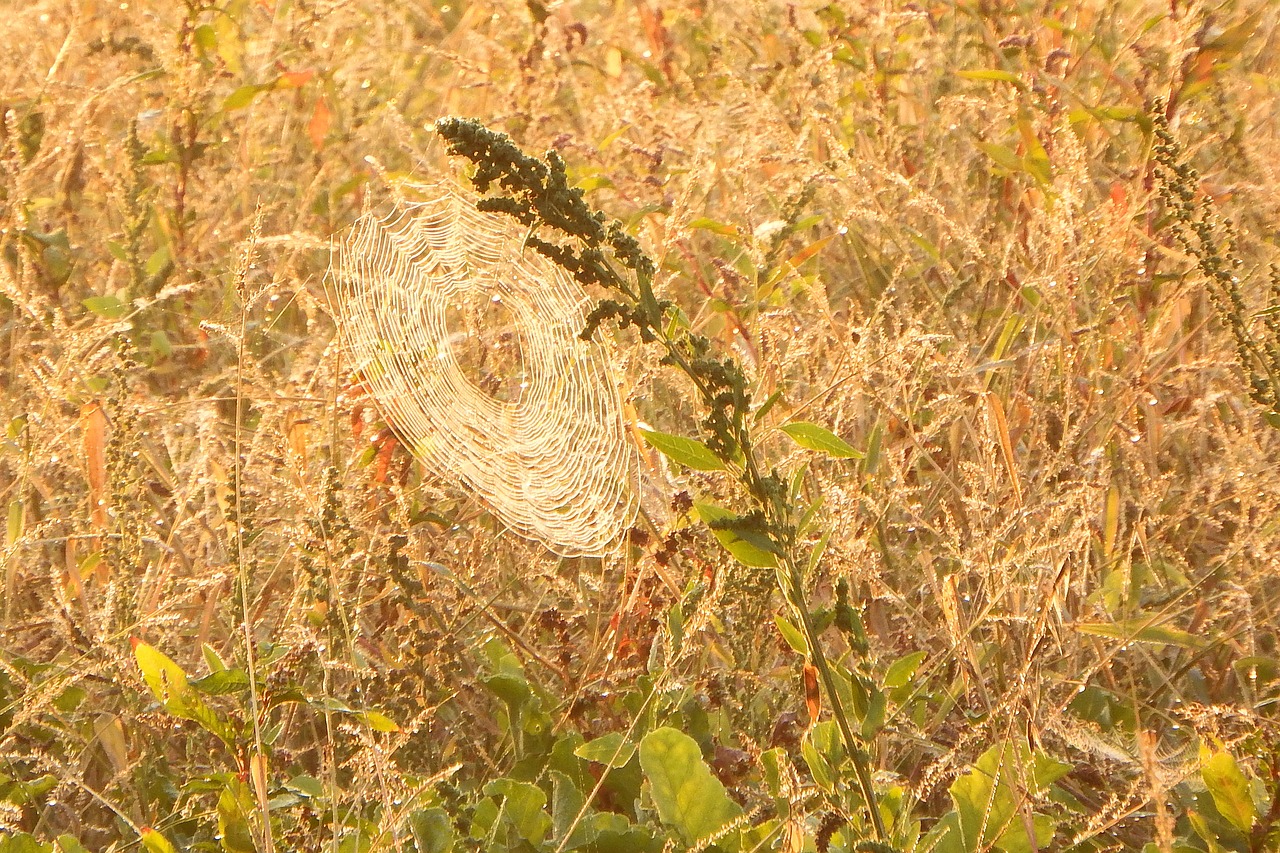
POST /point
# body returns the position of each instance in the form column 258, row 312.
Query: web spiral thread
column 552, row 460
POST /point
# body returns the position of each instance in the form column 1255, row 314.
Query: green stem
column 854, row 744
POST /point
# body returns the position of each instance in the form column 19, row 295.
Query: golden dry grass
column 935, row 229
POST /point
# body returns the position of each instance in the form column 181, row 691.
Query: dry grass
column 936, row 230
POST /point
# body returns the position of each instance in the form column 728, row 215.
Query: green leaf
column 234, row 808
column 814, row 437
column 165, row 678
column 1138, row 631
column 687, row 451
column 872, row 462
column 768, row 404
column 523, row 806
column 1003, row 155
column 508, row 681
column 873, row 720
column 901, row 671
column 222, row 682
column 241, row 97
column 1229, row 787
column 1015, row 839
column 206, row 38
column 794, row 637
column 675, row 628
column 22, row 842
column 432, row 830
column 378, row 721
column 308, row 786
column 750, row 547
column 212, row 658
column 712, row 225
column 993, row 75
column 230, row 46
column 688, row 797
column 13, row 531
column 567, row 801
column 612, row 750
column 989, row 796
column 110, row 307
column 824, row 752
column 155, row 842
column 945, row 837
column 1038, row 167
column 68, row 844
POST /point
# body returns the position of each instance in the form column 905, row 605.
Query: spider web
column 523, row 412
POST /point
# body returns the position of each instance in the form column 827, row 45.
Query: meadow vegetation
column 951, row 337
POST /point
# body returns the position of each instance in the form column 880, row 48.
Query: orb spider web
column 468, row 343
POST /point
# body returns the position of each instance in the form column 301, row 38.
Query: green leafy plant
column 772, row 531
column 1214, row 244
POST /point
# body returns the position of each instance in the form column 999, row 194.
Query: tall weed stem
column 537, row 193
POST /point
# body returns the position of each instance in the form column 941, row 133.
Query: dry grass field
column 992, row 291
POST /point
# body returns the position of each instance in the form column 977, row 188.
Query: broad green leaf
column 212, row 658
column 508, row 680
column 432, row 830
column 165, row 678
column 206, row 38
column 1229, row 787
column 68, row 844
column 824, row 752
column 234, row 808
column 1015, row 839
column 945, row 837
column 378, row 721
column 749, row 547
column 688, row 797
column 873, row 719
column 154, row 842
column 241, row 97
column 1204, row 830
column 814, row 437
column 1003, row 155
column 902, row 670
column 21, row 842
column 687, row 451
column 308, row 786
column 222, row 682
column 523, row 806
column 989, row 796
column 794, row 637
column 230, row 45
column 567, row 801
column 110, row 307
column 611, row 750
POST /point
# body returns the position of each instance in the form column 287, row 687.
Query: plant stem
column 854, row 744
